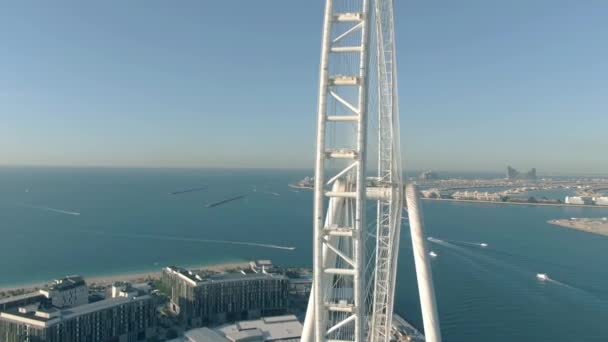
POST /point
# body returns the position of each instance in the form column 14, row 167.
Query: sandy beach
column 590, row 225
column 516, row 203
column 131, row 277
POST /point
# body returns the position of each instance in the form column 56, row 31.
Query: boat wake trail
column 445, row 243
column 491, row 265
column 188, row 239
column 477, row 244
column 60, row 211
column 570, row 287
column 580, row 292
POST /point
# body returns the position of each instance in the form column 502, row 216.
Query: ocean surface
column 58, row 221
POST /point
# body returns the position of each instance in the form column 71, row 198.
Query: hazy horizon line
column 311, row 169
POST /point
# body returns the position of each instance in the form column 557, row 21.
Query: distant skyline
column 141, row 83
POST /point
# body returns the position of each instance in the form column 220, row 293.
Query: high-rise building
column 428, row 175
column 513, row 174
column 224, row 297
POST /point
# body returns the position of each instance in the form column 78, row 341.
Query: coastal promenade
column 135, row 277
column 516, row 203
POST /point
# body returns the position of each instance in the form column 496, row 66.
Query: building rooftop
column 227, row 277
column 36, row 316
column 250, row 335
column 102, row 304
column 300, row 280
column 196, row 280
column 20, row 297
column 67, row 283
column 203, row 335
column 188, row 275
column 277, row 328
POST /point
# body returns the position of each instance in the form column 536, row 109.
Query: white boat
column 483, row 244
column 404, row 331
column 542, row 276
column 433, row 254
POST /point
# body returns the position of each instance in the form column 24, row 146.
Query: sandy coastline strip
column 131, row 277
column 594, row 226
column 516, row 203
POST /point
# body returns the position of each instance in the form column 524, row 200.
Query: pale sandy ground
column 516, row 203
column 595, row 226
column 133, row 277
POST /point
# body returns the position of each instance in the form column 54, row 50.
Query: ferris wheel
column 358, row 187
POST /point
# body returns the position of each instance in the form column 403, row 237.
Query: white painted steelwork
column 354, row 275
column 424, row 275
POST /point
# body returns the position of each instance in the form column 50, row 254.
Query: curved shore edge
column 516, row 203
column 597, row 226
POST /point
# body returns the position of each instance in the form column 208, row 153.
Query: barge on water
column 179, row 192
column 215, row 204
column 306, row 183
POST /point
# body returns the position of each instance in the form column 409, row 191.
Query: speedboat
column 483, row 244
column 542, row 276
column 433, row 254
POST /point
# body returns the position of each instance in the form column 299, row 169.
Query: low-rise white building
column 127, row 290
column 578, row 200
column 431, row 193
column 476, row 195
column 600, row 200
column 285, row 328
column 66, row 292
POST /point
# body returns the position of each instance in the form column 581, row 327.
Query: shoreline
column 517, row 203
column 136, row 276
column 584, row 225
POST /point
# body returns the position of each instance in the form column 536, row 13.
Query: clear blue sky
column 483, row 84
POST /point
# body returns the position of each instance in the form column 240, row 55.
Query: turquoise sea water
column 128, row 222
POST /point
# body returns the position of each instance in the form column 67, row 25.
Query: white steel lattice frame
column 335, row 313
column 338, row 248
column 389, row 208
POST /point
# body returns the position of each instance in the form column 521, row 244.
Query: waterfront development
column 493, row 289
column 160, row 308
column 164, row 254
column 551, row 191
